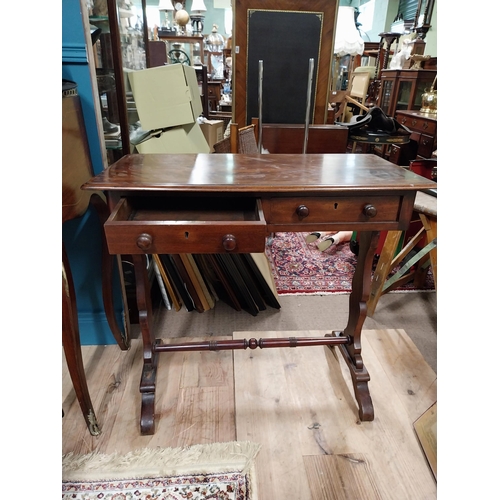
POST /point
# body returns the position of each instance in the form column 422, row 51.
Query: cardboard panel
column 178, row 140
column 213, row 130
column 166, row 96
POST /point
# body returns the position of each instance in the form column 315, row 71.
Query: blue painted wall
column 82, row 236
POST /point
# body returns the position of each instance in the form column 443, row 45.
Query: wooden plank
column 341, row 477
column 265, row 413
column 204, row 379
column 412, row 379
column 204, row 415
column 307, row 393
column 107, row 372
column 426, row 430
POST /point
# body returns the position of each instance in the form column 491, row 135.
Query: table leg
column 361, row 285
column 122, row 338
column 72, row 346
column 150, row 357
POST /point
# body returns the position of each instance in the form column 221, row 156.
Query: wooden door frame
column 329, row 8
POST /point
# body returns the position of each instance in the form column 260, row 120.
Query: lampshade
column 198, row 6
column 165, row 5
column 348, row 41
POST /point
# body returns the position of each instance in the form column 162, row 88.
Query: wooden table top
column 266, row 173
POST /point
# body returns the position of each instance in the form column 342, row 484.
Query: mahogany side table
column 223, row 203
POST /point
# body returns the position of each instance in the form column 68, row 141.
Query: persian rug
column 299, row 267
column 219, row 471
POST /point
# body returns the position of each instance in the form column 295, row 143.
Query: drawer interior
column 195, row 209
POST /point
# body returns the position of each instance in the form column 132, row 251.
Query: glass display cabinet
column 121, row 46
column 402, row 89
column 184, row 49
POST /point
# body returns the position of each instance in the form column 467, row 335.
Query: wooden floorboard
column 301, row 404
column 297, row 403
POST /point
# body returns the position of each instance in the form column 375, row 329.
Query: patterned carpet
column 300, row 268
column 217, row 471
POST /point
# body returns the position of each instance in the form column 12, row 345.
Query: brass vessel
column 429, row 100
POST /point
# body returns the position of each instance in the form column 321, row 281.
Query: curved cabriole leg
column 150, row 357
column 72, row 346
column 122, row 339
column 361, row 286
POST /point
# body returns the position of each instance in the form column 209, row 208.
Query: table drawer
column 304, row 210
column 426, row 146
column 419, row 124
column 158, row 225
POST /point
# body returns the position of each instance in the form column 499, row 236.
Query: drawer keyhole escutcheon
column 186, row 235
column 144, row 241
column 302, row 211
column 229, row 242
column 369, row 210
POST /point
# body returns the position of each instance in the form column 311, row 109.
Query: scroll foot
column 364, row 400
column 360, row 379
column 147, row 389
column 148, row 414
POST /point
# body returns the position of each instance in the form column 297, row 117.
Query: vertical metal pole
column 261, row 73
column 308, row 104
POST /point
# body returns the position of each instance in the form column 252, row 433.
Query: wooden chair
column 244, row 140
column 223, row 146
column 76, row 170
column 241, row 140
column 425, row 210
column 356, row 94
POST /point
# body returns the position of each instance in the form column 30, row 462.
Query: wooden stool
column 426, row 209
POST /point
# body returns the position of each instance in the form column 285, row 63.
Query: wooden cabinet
column 214, row 92
column 402, row 89
column 423, row 139
column 424, row 130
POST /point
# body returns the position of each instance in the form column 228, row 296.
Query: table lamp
column 198, row 10
column 166, row 6
column 348, row 40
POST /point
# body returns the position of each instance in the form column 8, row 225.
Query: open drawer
column 159, row 225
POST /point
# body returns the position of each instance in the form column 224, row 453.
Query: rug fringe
column 157, row 462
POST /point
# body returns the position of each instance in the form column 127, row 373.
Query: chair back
column 223, row 146
column 359, row 86
column 357, row 94
column 246, row 139
column 241, row 140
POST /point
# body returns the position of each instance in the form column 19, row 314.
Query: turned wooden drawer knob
column 302, row 211
column 229, row 242
column 144, row 241
column 369, row 210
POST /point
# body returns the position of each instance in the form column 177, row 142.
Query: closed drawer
column 426, row 146
column 394, row 154
column 312, row 211
column 157, row 225
column 419, row 124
